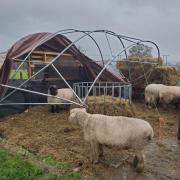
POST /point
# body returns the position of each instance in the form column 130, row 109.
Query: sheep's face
column 74, row 113
column 53, row 90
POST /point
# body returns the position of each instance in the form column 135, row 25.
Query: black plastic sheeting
column 37, row 85
column 24, row 97
column 17, row 97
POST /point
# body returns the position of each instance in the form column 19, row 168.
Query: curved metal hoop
column 85, row 34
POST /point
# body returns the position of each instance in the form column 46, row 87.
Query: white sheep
column 64, row 93
column 170, row 94
column 120, row 131
column 152, row 94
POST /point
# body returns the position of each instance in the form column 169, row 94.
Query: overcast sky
column 156, row 20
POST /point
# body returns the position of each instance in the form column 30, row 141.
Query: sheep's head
column 53, row 90
column 75, row 115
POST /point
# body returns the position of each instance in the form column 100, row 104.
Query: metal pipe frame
column 122, row 43
column 141, row 62
column 133, row 40
column 45, row 40
column 66, row 82
column 100, row 86
column 85, row 33
column 104, row 69
column 52, row 61
column 43, row 94
column 32, row 104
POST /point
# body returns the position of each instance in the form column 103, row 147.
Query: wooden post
column 178, row 133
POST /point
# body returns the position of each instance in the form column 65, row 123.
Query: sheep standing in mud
column 119, row 131
column 64, row 93
column 152, row 94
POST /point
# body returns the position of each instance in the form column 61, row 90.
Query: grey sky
column 156, row 20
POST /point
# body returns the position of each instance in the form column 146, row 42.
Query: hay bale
column 143, row 74
column 110, row 106
column 146, row 59
column 164, row 74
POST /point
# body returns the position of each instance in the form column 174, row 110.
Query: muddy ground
column 40, row 131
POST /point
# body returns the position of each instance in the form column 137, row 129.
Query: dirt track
column 40, row 131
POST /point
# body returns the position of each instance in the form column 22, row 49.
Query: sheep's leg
column 177, row 104
column 52, row 109
column 178, row 134
column 158, row 102
column 57, row 108
column 100, row 150
column 138, row 162
column 149, row 105
column 95, row 152
column 146, row 104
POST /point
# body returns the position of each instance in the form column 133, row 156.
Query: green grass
column 14, row 168
column 68, row 176
column 52, row 162
column 62, row 166
column 71, row 175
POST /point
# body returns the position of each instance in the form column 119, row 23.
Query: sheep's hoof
column 139, row 166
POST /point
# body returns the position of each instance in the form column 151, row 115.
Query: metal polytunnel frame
column 121, row 38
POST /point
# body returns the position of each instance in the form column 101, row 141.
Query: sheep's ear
column 82, row 109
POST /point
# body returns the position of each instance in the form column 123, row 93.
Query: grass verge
column 13, row 167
